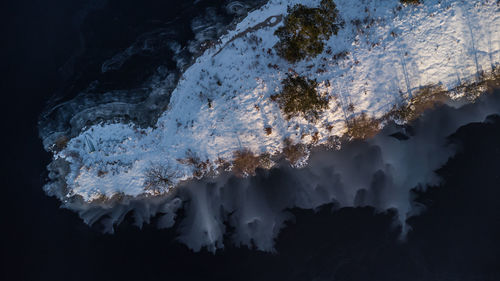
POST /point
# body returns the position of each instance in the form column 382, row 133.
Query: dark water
column 455, row 239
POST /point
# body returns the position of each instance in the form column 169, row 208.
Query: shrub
column 157, row 179
column 299, row 97
column 200, row 167
column 305, row 29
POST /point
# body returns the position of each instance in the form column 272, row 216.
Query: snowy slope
column 222, row 102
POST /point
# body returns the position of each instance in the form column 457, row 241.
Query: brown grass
column 157, row 179
column 245, row 163
column 362, row 126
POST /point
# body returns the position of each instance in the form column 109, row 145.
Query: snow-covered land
column 381, row 56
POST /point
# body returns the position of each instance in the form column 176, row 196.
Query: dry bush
column 268, row 130
column 157, row 179
column 294, row 152
column 362, row 126
column 245, row 163
column 200, row 167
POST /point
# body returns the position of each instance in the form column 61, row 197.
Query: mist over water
column 378, row 172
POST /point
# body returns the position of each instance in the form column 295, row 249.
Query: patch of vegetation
column 362, row 126
column 200, row 167
column 430, row 96
column 425, row 98
column 268, row 130
column 485, row 82
column 299, row 97
column 305, row 29
column 245, row 163
column 158, row 179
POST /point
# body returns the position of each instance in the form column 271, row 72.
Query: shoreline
column 125, row 201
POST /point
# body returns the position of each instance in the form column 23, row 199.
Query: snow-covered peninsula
column 221, row 115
